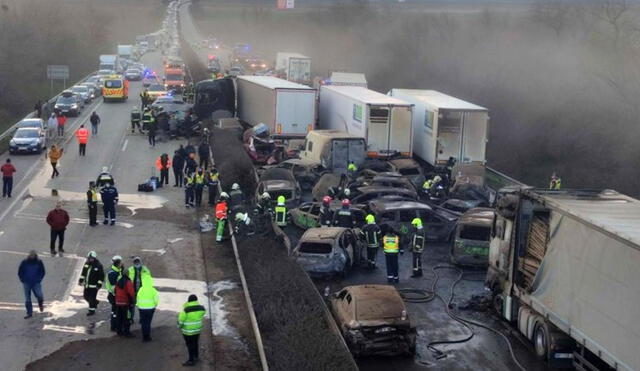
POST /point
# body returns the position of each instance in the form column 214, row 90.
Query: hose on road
column 425, row 296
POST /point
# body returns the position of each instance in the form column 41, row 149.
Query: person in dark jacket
column 326, row 214
column 343, row 217
column 95, row 121
column 92, row 203
column 191, row 165
column 203, row 153
column 125, row 297
column 109, row 195
column 182, row 151
column 212, row 185
column 31, row 272
column 58, row 219
column 190, row 149
column 178, row 168
column 115, row 271
column 91, row 280
column 373, row 236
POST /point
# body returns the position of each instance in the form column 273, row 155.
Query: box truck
column 384, row 122
column 287, row 108
column 294, row 67
column 563, row 269
column 445, row 127
column 109, row 62
column 333, row 149
column 125, row 51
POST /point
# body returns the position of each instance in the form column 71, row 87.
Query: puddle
column 219, row 323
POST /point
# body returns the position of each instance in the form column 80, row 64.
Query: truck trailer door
column 474, row 137
column 400, row 131
column 378, row 130
column 449, row 136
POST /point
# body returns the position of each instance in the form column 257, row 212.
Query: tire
column 497, row 302
column 541, row 342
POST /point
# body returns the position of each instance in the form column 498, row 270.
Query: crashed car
column 307, row 215
column 328, row 251
column 408, row 168
column 472, row 236
column 364, row 195
column 386, row 179
column 306, row 173
column 260, row 147
column 279, row 182
column 462, row 206
column 373, row 320
column 397, row 215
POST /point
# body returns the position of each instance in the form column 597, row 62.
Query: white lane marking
column 174, row 240
column 160, row 252
column 124, row 146
column 71, row 220
column 67, row 329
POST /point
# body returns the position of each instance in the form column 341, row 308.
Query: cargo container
column 287, row 108
column 445, row 127
column 333, row 149
column 563, row 269
column 384, row 122
column 109, row 62
column 125, row 51
column 294, row 67
column 347, row 79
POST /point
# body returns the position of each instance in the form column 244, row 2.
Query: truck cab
column 333, row 149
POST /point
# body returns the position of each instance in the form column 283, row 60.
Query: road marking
column 71, row 220
column 124, row 146
column 160, row 252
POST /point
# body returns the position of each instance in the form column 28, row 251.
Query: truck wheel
column 498, row 302
column 541, row 342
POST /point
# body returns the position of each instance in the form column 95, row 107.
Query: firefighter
column 326, row 215
column 372, row 234
column 222, row 210
column 105, row 177
column 92, row 203
column 212, row 185
column 391, row 243
column 145, row 98
column 281, row 212
column 417, row 246
column 263, row 207
column 236, row 199
column 147, row 118
column 189, row 191
column 136, row 116
column 243, row 226
column 115, row 272
column 351, row 170
column 199, row 182
column 91, row 280
column 344, row 217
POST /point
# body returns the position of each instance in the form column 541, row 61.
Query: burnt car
column 328, row 251
column 410, row 169
column 306, row 173
column 462, row 206
column 472, row 236
column 386, row 179
column 307, row 215
column 261, row 147
column 397, row 215
column 373, row 320
column 279, row 182
column 368, row 194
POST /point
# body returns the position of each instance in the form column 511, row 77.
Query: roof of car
column 371, row 189
column 28, row 129
column 378, row 206
column 377, row 300
column 404, row 163
column 322, row 233
column 32, row 120
column 273, row 185
column 478, row 215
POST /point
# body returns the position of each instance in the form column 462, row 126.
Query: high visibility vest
column 199, row 179
column 390, row 243
column 213, row 179
column 94, row 195
column 110, row 288
column 417, row 244
column 147, row 118
column 83, row 135
column 189, row 180
column 281, row 215
column 352, row 168
column 190, row 318
column 144, row 272
column 221, row 210
column 427, row 184
column 147, row 297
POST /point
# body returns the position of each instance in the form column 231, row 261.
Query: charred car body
column 328, row 251
column 472, row 237
column 397, row 215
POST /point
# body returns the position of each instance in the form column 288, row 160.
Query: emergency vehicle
column 115, row 87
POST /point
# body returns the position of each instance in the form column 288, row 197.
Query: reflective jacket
column 92, row 275
column 112, row 278
column 83, row 135
column 190, row 318
column 418, row 240
column 124, row 292
column 391, row 243
column 221, row 210
column 147, row 297
column 137, row 276
column 166, row 166
column 92, row 196
column 344, row 218
column 199, row 179
column 372, row 235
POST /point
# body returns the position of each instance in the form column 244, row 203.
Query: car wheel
column 541, row 341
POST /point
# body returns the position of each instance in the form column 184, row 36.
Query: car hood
column 23, row 141
column 394, row 322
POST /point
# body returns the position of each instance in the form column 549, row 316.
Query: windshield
column 471, row 232
column 174, row 77
column 79, row 89
column 315, row 248
column 66, row 100
column 156, row 87
column 26, row 134
column 113, row 84
column 30, row 124
column 275, row 194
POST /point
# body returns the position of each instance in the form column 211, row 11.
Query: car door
column 346, row 244
column 313, row 216
column 436, row 227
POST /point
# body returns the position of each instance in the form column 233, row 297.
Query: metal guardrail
column 32, row 114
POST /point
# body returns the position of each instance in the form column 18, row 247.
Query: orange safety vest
column 83, row 135
column 221, row 210
column 159, row 163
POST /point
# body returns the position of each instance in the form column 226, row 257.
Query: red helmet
column 326, row 200
column 346, row 202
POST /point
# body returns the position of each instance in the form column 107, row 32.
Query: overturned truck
column 563, row 269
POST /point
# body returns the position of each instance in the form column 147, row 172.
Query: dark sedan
column 397, row 215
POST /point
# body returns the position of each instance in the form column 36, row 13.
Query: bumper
column 24, row 149
column 384, row 345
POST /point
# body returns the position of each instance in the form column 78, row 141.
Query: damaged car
column 279, row 182
column 472, row 236
column 328, row 251
column 397, row 215
column 307, row 215
column 373, row 320
column 261, row 147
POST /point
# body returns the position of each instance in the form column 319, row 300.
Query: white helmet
column 239, row 217
column 224, row 195
column 266, row 195
column 235, row 186
column 105, row 169
column 116, row 258
column 437, row 178
column 347, row 192
column 92, row 254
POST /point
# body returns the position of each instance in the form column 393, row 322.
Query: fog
column 560, row 78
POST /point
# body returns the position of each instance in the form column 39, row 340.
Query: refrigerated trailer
column 287, row 108
column 294, row 67
column 446, row 127
column 384, row 122
column 563, row 269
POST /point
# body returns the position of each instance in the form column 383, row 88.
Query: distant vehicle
column 294, row 67
column 384, row 122
column 103, row 74
column 472, row 236
column 256, row 64
column 307, row 215
column 28, row 139
column 33, row 123
column 94, row 90
column 279, row 182
column 398, row 215
column 215, row 99
column 236, row 71
column 125, row 51
column 83, row 92
column 241, row 53
column 373, row 320
column 174, row 78
column 150, row 79
column 109, row 62
column 156, row 90
column 94, row 79
column 133, row 74
column 348, row 79
column 328, row 251
column 67, row 104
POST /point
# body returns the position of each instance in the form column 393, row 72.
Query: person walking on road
column 58, row 219
column 95, row 121
column 418, row 239
column 125, row 299
column 7, row 178
column 54, row 155
column 163, row 164
column 83, row 137
column 203, row 153
column 147, row 300
column 190, row 322
column 31, row 272
column 189, row 191
column 372, row 235
column 92, row 204
column 391, row 249
column 178, row 168
column 109, row 195
column 91, row 280
column 62, row 120
column 38, row 109
column 115, row 272
column 51, row 124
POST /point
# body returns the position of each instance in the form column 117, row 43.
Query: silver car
column 94, row 91
column 83, row 92
column 29, row 139
column 328, row 251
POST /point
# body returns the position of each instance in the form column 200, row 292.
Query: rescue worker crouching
column 243, row 225
column 91, row 280
column 372, row 234
column 418, row 239
column 236, row 198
